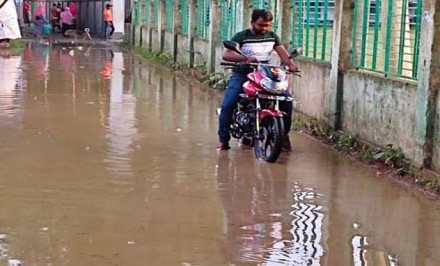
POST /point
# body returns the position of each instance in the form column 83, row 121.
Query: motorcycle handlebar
column 244, row 64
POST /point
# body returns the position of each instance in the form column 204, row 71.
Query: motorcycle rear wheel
column 267, row 145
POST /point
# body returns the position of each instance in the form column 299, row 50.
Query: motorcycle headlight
column 277, row 87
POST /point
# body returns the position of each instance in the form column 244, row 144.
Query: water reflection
column 307, row 226
column 258, row 228
column 10, row 92
column 76, row 153
column 121, row 131
column 106, row 69
column 4, row 252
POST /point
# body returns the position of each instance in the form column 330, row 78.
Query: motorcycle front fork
column 258, row 116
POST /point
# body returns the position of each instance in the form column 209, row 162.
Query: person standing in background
column 26, row 12
column 108, row 21
column 9, row 28
column 66, row 20
column 55, row 16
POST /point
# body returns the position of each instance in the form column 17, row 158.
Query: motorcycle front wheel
column 268, row 142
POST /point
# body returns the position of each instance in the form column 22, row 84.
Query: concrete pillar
column 175, row 30
column 285, row 25
column 279, row 5
column 247, row 13
column 428, row 83
column 340, row 60
column 239, row 19
column 177, row 16
column 118, row 17
column 192, row 21
column 214, row 34
column 161, row 24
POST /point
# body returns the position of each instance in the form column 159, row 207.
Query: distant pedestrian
column 40, row 25
column 55, row 12
column 26, row 12
column 66, row 20
column 108, row 20
column 9, row 28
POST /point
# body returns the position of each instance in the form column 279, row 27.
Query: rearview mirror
column 231, row 45
column 234, row 46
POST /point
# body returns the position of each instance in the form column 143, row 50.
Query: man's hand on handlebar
column 292, row 67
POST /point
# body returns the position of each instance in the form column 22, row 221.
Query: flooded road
column 106, row 160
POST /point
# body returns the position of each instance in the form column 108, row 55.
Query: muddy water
column 108, row 161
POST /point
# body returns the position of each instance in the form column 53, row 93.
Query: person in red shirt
column 55, row 16
column 108, row 20
column 26, row 11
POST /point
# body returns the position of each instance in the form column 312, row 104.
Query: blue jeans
column 230, row 99
column 107, row 26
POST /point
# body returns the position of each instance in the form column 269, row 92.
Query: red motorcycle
column 257, row 119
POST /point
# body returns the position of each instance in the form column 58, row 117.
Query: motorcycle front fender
column 270, row 112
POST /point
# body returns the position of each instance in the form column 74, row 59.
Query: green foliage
column 390, row 155
column 318, row 128
column 16, row 44
column 202, row 68
column 420, row 179
column 297, row 123
column 430, row 183
column 160, row 58
column 217, row 80
column 366, row 152
column 346, row 141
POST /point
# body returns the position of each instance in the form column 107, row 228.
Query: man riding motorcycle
column 256, row 43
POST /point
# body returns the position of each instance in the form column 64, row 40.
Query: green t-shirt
column 260, row 46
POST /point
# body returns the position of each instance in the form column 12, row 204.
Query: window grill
column 313, row 27
column 387, row 36
column 202, row 18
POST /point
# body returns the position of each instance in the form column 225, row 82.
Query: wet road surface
column 106, row 160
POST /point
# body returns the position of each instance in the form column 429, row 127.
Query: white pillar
column 118, row 17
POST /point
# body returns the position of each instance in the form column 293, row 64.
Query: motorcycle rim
column 267, row 145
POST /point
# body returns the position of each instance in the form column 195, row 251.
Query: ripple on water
column 9, row 103
column 4, row 252
column 293, row 239
column 9, row 91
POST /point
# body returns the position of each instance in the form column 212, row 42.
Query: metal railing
column 386, row 33
column 137, row 13
column 169, row 15
column 313, row 28
column 184, row 16
column 146, row 12
column 156, row 4
column 228, row 19
column 203, row 20
column 387, row 36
